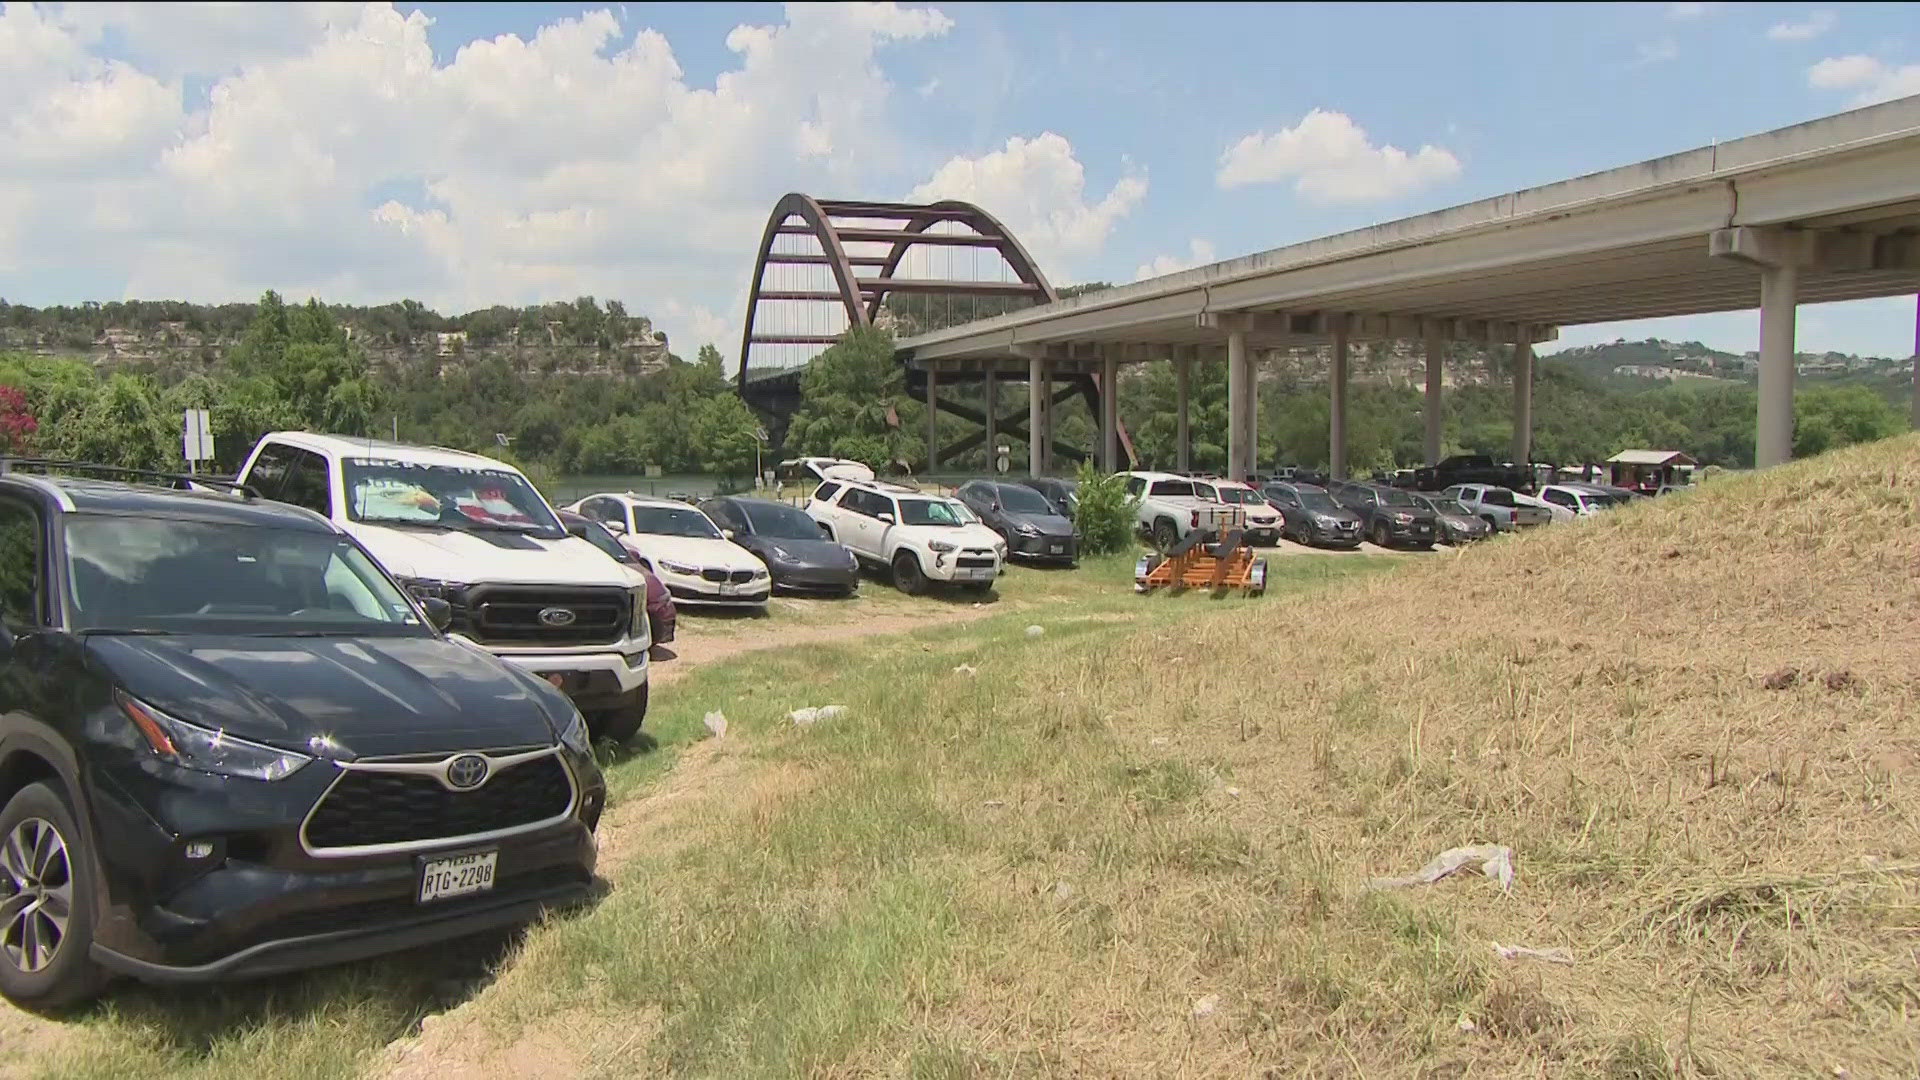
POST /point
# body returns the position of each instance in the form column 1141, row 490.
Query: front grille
column 511, row 614
column 738, row 577
column 972, row 561
column 367, row 808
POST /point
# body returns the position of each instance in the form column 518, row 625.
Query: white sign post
column 196, row 441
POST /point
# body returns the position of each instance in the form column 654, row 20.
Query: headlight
column 425, row 588
column 759, row 573
column 781, row 554
column 940, row 545
column 575, row 737
column 679, row 568
column 1026, row 529
column 1000, row 548
column 637, row 625
column 206, row 749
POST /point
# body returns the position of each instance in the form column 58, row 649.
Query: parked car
column 1577, row 499
column 1310, row 516
column 472, row 531
column 1064, row 495
column 1388, row 515
column 812, row 470
column 1554, row 511
column 1477, row 469
column 921, row 538
column 1497, row 506
column 788, row 542
column 1262, row 520
column 232, row 745
column 684, row 548
column 1031, row 526
column 661, row 615
column 1458, row 525
column 1171, row 507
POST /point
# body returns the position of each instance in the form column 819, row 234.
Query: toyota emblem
column 557, row 616
column 466, row 772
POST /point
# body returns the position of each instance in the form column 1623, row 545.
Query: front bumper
column 1266, row 535
column 815, row 579
column 593, row 680
column 1416, row 533
column 944, row 568
column 1347, row 535
column 691, row 596
column 1043, row 548
column 261, row 904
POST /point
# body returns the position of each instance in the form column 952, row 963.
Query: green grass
column 801, row 928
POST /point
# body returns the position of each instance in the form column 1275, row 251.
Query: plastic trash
column 1516, row 952
column 1495, row 861
column 803, row 717
column 1036, row 630
column 1205, row 1006
column 966, row 669
column 716, row 722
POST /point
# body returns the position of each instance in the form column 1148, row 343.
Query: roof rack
column 180, row 481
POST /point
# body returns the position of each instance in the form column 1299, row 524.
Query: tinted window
column 1393, row 497
column 1135, row 485
column 673, row 521
column 1022, row 500
column 1497, row 497
column 825, row 491
column 19, row 564
column 1559, row 498
column 779, row 521
column 723, row 515
column 269, row 470
column 930, row 512
column 306, row 483
column 1173, row 487
column 596, row 534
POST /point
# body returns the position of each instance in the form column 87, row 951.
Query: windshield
column 1316, row 500
column 932, row 512
column 1023, row 500
column 382, row 492
column 1395, row 497
column 596, row 534
column 158, row 575
column 1245, row 496
column 1449, row 506
column 1172, row 487
column 675, row 521
column 777, row 522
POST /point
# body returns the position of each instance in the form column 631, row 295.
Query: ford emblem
column 557, row 616
column 466, row 772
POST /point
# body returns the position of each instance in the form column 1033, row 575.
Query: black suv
column 230, row 746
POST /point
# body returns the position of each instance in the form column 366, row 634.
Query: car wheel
column 47, row 904
column 907, row 575
column 621, row 723
column 1165, row 534
column 1491, row 527
column 1380, row 534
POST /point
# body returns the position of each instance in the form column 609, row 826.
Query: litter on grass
column 803, row 717
column 1519, row 952
column 716, row 722
column 1495, row 860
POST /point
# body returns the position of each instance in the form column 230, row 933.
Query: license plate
column 462, row 875
column 976, row 573
column 1059, row 549
column 726, row 588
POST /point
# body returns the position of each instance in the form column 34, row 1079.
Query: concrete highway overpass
column 1822, row 211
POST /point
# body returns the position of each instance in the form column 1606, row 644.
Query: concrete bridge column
column 1337, row 404
column 1523, row 396
column 1779, row 298
column 1109, row 410
column 1037, row 434
column 933, row 420
column 1240, row 399
column 993, row 421
column 1183, row 409
column 1435, row 418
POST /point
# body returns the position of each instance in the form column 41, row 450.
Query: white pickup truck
column 920, row 537
column 1172, row 506
column 473, row 532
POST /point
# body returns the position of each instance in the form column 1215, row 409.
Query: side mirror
column 617, row 528
column 438, row 612
column 885, row 516
column 728, row 533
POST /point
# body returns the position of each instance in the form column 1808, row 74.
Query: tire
column 621, row 723
column 66, row 975
column 1165, row 534
column 1491, row 527
column 1380, row 535
column 906, row 574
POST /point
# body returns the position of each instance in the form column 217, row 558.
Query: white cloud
column 1038, row 190
column 1815, row 24
column 1874, row 80
column 334, row 154
column 1199, row 253
column 1330, row 159
column 1656, row 52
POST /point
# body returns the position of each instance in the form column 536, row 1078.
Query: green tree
column 1829, row 417
column 854, row 404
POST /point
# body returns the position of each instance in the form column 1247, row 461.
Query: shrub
column 1106, row 513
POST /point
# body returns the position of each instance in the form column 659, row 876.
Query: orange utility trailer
column 1204, row 560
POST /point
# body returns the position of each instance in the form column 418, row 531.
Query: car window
column 825, row 491
column 596, row 534
column 930, row 512
column 1022, row 500
column 478, row 497
column 1135, row 485
column 673, row 521
column 723, row 515
column 1559, row 498
column 306, row 483
column 778, row 521
column 1175, row 488
column 20, row 540
column 1497, row 497
column 1393, row 497
column 269, row 470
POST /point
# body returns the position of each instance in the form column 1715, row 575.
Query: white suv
column 473, row 532
column 694, row 559
column 920, row 537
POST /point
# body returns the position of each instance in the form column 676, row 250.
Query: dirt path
column 26, row 1039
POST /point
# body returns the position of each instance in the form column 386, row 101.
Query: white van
column 475, row 533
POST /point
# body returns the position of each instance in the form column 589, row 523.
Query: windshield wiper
column 126, row 631
column 497, row 526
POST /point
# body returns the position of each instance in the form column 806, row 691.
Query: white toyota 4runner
column 473, row 532
column 920, row 537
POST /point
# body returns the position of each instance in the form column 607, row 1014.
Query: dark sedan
column 1458, row 525
column 662, row 616
column 1388, row 514
column 1063, row 494
column 789, row 542
column 1033, row 528
column 1310, row 516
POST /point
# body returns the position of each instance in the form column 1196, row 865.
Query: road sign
column 196, row 440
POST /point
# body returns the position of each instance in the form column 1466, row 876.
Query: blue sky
column 367, row 152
